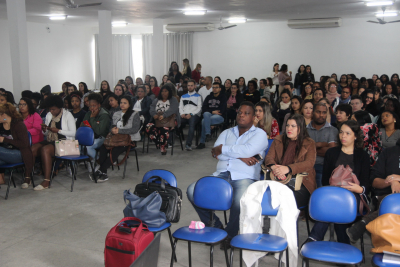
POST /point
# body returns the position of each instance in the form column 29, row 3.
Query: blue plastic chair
column 210, row 193
column 261, row 242
column 13, row 166
column 390, row 204
column 170, row 178
column 85, row 137
column 332, row 204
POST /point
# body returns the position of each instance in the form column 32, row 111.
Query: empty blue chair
column 210, row 193
column 13, row 166
column 390, row 204
column 332, row 205
column 85, row 137
column 261, row 242
column 171, row 180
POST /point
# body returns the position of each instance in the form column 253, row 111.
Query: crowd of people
column 316, row 127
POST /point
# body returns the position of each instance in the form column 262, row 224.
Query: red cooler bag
column 125, row 242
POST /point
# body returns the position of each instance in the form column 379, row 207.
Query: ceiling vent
column 314, row 23
column 190, row 27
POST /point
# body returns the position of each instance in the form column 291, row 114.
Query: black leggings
column 104, row 158
column 302, row 196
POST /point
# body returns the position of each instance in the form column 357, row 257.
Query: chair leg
column 211, row 255
column 172, row 245
column 190, row 254
column 287, row 257
column 126, row 162
column 307, row 220
column 226, row 254
column 73, row 176
column 180, row 138
column 331, row 232
column 241, row 258
column 12, row 179
column 231, row 262
column 226, row 221
column 137, row 161
column 173, row 141
column 144, row 142
column 280, row 259
column 173, row 253
column 148, row 142
column 94, row 176
column 9, row 184
column 362, row 248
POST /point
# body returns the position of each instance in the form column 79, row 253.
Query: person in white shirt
column 236, row 149
column 207, row 88
column 190, row 110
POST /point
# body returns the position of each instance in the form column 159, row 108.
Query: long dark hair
column 355, row 128
column 129, row 112
column 169, row 92
column 298, row 99
column 303, row 134
column 31, row 109
column 298, row 70
column 85, row 88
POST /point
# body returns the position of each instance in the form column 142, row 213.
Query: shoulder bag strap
column 123, row 160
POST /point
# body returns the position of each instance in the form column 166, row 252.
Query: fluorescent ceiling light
column 386, row 14
column 380, row 3
column 194, row 12
column 119, row 24
column 237, row 20
column 58, row 17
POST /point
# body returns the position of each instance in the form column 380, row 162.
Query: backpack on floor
column 125, row 242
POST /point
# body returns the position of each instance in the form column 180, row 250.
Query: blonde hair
column 266, row 122
column 187, row 65
column 198, row 66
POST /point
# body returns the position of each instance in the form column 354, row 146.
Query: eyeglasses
column 22, row 105
column 333, row 86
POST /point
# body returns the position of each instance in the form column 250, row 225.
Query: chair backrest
column 267, row 209
column 30, row 138
column 166, row 175
column 85, row 136
column 213, row 193
column 333, row 205
column 390, row 204
column 269, row 145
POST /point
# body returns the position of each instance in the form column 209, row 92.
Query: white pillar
column 16, row 13
column 158, row 49
column 105, row 47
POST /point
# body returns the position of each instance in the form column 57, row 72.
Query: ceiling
column 141, row 13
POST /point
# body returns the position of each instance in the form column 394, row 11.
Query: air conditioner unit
column 190, row 27
column 314, row 23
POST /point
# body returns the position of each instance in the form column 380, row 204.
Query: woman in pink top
column 32, row 119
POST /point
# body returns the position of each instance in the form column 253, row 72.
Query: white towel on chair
column 283, row 225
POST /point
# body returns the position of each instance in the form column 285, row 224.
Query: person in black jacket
column 141, row 103
column 307, row 76
column 233, row 102
column 187, row 71
column 214, row 108
column 174, row 72
column 282, row 107
column 252, row 94
column 349, row 152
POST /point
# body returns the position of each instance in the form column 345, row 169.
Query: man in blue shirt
column 235, row 149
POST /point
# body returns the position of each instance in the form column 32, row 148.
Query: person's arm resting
column 258, row 142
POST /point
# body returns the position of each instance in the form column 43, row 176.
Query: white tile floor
column 55, row 227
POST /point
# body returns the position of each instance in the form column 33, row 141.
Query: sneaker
column 188, row 148
column 97, row 174
column 356, row 231
column 201, row 146
column 102, row 178
column 208, row 137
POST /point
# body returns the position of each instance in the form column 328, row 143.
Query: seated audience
column 119, row 90
column 343, row 113
column 307, row 92
column 124, row 121
column 372, row 140
column 207, row 88
column 228, row 85
column 325, row 101
column 294, row 109
column 369, row 103
column 289, row 86
column 234, row 150
column 308, row 76
column 149, row 93
column 183, row 89
column 98, row 119
column 265, row 121
column 71, row 88
column 83, row 88
column 348, row 153
column 242, row 85
column 154, row 86
column 235, row 98
column 60, row 124
column 31, row 119
column 163, row 107
column 190, row 111
column 113, row 104
column 105, row 90
column 3, row 99
column 77, row 112
column 14, row 142
column 324, row 135
column 141, row 103
column 214, row 108
column 36, row 97
column 294, row 152
column 306, row 109
column 332, row 93
column 251, row 94
column 196, row 73
column 391, row 131
column 318, row 94
column 282, row 107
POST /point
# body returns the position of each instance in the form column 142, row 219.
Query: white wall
column 251, row 49
column 64, row 54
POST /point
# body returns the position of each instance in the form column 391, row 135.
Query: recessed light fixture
column 386, row 14
column 194, row 12
column 58, row 17
column 237, row 20
column 379, row 3
column 119, row 24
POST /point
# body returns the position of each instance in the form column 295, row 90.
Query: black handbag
column 171, row 197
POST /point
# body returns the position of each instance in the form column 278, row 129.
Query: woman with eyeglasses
column 332, row 92
column 31, row 119
column 369, row 103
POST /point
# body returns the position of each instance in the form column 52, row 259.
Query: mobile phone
column 258, row 157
